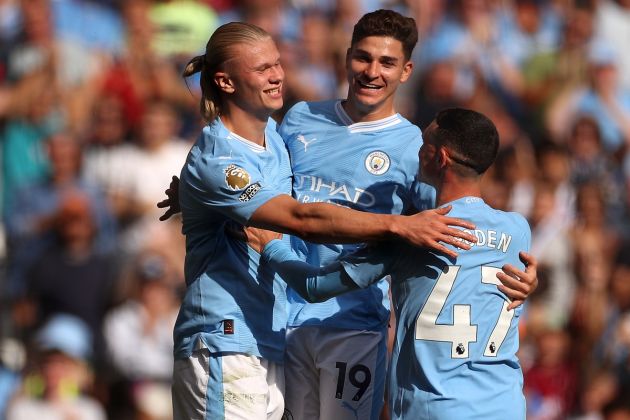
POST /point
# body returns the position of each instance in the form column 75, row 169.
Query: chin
column 274, row 106
column 370, row 100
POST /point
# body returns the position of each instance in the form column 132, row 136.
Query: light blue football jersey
column 455, row 351
column 369, row 166
column 231, row 303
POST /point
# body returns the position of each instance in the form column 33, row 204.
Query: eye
column 267, row 68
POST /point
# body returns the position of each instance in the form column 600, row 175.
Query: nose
column 277, row 74
column 372, row 70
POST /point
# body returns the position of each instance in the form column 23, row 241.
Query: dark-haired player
column 456, row 338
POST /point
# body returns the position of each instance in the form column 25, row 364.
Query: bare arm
column 327, row 223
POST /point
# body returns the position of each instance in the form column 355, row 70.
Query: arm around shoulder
column 322, row 222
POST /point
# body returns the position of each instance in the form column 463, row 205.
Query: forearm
column 327, row 223
column 314, row 284
column 324, row 223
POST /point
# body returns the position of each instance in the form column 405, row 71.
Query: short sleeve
column 234, row 187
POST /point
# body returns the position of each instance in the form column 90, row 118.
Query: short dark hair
column 387, row 23
column 471, row 135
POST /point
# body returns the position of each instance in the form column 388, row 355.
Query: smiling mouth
column 274, row 91
column 368, row 85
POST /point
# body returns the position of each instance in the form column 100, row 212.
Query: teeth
column 369, row 86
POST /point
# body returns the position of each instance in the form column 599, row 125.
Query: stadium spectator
column 34, row 209
column 58, row 382
column 551, row 383
column 70, row 276
column 139, row 339
column 612, row 24
column 147, row 163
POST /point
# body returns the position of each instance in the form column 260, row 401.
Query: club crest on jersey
column 236, row 177
column 377, row 162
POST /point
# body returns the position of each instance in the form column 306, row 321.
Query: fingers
column 527, row 259
column 437, row 246
column 171, row 201
column 449, row 222
column 166, row 215
column 513, row 288
column 443, row 210
column 457, row 238
column 515, row 304
column 452, row 221
column 516, row 284
column 455, row 241
column 462, row 235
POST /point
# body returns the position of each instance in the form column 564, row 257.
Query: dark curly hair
column 387, row 23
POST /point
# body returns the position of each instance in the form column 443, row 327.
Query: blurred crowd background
column 95, row 119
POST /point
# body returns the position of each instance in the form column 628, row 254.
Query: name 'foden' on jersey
column 490, row 239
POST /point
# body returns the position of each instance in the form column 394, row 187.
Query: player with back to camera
column 230, row 331
column 456, row 338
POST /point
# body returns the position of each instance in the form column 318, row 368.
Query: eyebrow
column 359, row 51
column 265, row 65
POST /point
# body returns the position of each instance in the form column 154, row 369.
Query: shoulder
column 516, row 221
column 214, row 161
column 408, row 125
column 295, row 112
column 401, row 130
column 307, row 116
column 305, row 109
column 517, row 218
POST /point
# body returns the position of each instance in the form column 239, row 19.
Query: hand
column 519, row 284
column 258, row 238
column 172, row 200
column 432, row 229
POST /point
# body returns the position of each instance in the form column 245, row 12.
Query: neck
column 452, row 187
column 246, row 125
column 367, row 114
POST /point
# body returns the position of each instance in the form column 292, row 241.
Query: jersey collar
column 364, row 127
column 466, row 201
column 250, row 144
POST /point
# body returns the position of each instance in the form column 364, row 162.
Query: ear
column 443, row 158
column 407, row 70
column 223, row 81
column 348, row 57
